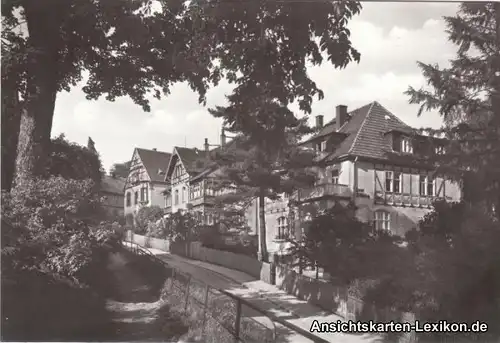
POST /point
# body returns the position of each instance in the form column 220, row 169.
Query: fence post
column 205, row 309
column 187, row 294
column 237, row 321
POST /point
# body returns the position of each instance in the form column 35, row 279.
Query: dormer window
column 406, row 145
column 323, row 145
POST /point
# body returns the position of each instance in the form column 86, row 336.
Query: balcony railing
column 322, row 191
column 203, row 199
column 406, row 199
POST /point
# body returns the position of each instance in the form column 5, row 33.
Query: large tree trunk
column 38, row 112
column 262, row 255
column 11, row 118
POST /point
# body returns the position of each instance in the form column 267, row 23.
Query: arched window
column 129, row 199
column 176, row 198
column 382, row 220
column 184, row 193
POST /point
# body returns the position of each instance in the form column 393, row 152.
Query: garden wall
column 157, row 243
column 246, row 264
column 337, row 300
column 317, row 292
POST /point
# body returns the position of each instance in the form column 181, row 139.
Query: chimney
column 207, row 147
column 154, row 149
column 223, row 138
column 340, row 116
column 319, row 121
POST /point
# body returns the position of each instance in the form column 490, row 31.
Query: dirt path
column 137, row 311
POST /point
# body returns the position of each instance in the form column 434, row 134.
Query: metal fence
column 220, row 317
column 213, row 314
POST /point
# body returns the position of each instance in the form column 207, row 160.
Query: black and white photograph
column 250, row 171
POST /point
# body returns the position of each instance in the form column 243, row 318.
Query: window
column 136, row 197
column 183, row 195
column 439, row 150
column 335, row 176
column 144, row 194
column 176, row 198
column 209, row 218
column 323, row 145
column 129, row 199
column 393, row 182
column 426, row 185
column 406, row 145
column 282, row 227
column 382, row 220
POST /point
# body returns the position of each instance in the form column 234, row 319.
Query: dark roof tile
column 154, row 161
column 366, row 130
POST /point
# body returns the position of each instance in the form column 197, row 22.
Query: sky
column 391, row 38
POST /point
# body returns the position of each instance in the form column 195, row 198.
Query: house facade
column 374, row 159
column 145, row 183
column 192, row 185
column 112, row 191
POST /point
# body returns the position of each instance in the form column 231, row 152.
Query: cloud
column 391, row 38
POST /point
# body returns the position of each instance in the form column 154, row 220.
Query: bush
column 54, row 245
column 145, row 216
column 54, row 225
column 210, row 236
column 181, row 227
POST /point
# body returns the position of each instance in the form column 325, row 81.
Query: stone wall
column 243, row 263
column 337, row 300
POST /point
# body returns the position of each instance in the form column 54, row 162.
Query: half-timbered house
column 374, row 159
column 146, row 183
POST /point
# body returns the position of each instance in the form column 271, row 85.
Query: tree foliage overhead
column 133, row 49
column 269, row 164
column 467, row 96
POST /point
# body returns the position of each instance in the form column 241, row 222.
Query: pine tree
column 130, row 50
column 467, row 96
column 264, row 160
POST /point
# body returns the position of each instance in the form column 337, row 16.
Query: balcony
column 167, row 209
column 203, row 199
column 321, row 191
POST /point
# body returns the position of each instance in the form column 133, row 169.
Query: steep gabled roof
column 114, row 185
column 189, row 157
column 154, row 161
column 366, row 129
